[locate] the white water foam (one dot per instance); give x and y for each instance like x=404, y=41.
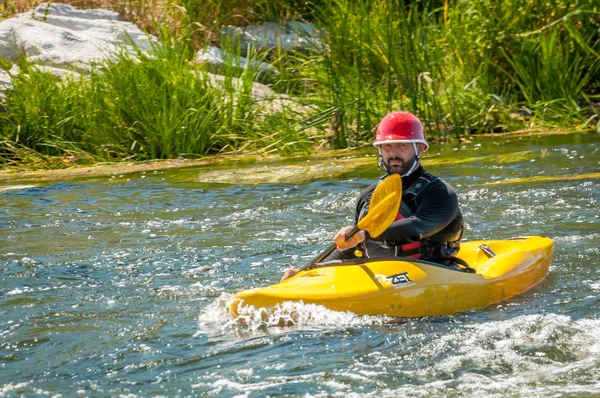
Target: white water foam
x=570, y=239
x=12, y=388
x=529, y=356
x=284, y=315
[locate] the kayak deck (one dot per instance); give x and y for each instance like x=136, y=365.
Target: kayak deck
x=412, y=288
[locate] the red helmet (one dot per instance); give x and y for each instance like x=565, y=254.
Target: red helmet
x=400, y=127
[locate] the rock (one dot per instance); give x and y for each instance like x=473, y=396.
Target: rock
x=59, y=73
x=48, y=11
x=217, y=60
x=262, y=95
x=66, y=41
x=62, y=36
x=5, y=79
x=5, y=84
x=97, y=23
x=293, y=35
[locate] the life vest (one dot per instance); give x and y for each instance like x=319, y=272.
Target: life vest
x=411, y=250
x=381, y=249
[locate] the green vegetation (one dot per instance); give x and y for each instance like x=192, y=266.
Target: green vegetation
x=461, y=66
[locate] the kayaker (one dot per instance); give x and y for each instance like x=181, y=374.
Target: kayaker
x=429, y=224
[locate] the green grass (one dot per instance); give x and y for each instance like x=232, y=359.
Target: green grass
x=462, y=67
x=150, y=107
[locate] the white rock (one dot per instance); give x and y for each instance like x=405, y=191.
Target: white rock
x=5, y=84
x=217, y=59
x=293, y=35
x=98, y=23
x=59, y=35
x=262, y=95
x=49, y=10
x=5, y=79
x=59, y=73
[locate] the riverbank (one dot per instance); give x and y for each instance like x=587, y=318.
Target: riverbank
x=100, y=170
x=261, y=169
x=463, y=68
x=215, y=169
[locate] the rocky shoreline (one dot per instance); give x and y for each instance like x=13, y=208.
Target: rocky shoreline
x=68, y=42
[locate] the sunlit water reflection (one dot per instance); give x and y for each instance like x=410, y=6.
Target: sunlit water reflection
x=119, y=286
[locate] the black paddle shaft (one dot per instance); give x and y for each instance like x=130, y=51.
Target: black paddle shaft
x=331, y=248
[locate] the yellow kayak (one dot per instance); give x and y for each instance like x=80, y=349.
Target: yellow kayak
x=412, y=288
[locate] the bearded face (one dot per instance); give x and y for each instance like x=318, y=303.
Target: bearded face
x=398, y=157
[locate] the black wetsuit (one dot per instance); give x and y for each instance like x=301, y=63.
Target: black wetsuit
x=429, y=215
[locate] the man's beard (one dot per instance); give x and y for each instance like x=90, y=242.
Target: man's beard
x=400, y=168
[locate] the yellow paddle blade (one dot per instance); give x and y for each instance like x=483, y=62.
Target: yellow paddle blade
x=383, y=207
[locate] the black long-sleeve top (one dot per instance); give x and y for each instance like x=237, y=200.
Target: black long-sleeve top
x=433, y=213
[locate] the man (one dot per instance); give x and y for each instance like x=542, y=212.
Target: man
x=429, y=223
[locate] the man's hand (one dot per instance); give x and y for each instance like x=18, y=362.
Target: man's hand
x=343, y=244
x=288, y=273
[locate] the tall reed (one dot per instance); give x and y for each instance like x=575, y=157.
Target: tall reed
x=461, y=66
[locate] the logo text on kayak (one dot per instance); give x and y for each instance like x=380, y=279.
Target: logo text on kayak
x=397, y=280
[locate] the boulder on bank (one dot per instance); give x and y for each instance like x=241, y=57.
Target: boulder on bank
x=218, y=61
x=67, y=41
x=59, y=35
x=5, y=80
x=270, y=36
x=292, y=35
x=263, y=96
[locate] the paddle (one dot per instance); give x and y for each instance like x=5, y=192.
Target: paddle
x=383, y=209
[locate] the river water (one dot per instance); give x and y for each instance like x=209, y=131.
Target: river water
x=118, y=285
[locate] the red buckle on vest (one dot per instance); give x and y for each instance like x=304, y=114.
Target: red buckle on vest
x=411, y=246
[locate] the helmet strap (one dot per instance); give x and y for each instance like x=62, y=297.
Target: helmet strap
x=381, y=164
x=415, y=163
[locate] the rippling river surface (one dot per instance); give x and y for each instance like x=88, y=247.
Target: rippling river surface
x=119, y=285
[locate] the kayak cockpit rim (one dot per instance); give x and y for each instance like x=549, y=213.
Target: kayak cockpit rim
x=363, y=261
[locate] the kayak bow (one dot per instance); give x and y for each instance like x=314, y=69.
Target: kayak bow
x=405, y=287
